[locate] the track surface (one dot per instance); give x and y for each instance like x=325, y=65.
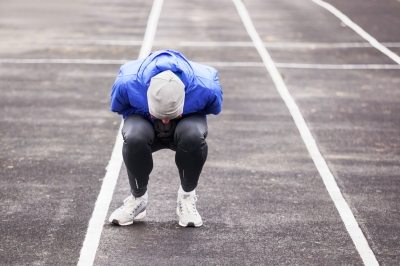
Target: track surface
x=262, y=199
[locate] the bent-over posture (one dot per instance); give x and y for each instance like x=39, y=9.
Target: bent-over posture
x=164, y=100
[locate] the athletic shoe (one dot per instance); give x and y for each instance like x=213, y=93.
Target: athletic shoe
x=132, y=210
x=187, y=212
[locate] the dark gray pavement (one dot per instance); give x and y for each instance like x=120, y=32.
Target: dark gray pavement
x=56, y=131
x=260, y=195
x=354, y=115
x=378, y=18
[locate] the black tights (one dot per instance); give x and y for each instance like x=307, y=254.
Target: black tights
x=140, y=142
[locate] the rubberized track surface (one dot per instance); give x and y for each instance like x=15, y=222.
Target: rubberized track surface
x=262, y=200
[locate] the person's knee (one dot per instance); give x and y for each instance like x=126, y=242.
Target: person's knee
x=137, y=139
x=191, y=139
x=137, y=132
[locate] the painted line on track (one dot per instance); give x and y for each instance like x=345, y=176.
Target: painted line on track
x=343, y=208
x=286, y=45
x=96, y=223
x=95, y=42
x=305, y=66
x=62, y=61
x=294, y=45
x=337, y=66
x=346, y=20
x=214, y=64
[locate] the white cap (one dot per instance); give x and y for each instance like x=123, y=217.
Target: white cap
x=166, y=95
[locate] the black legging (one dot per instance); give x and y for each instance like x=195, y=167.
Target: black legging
x=140, y=142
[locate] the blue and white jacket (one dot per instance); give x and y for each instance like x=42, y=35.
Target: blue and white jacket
x=203, y=93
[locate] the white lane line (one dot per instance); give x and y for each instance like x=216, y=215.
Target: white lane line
x=358, y=30
x=304, y=66
x=337, y=66
x=278, y=45
x=150, y=33
x=233, y=44
x=214, y=64
x=391, y=44
x=216, y=44
x=95, y=42
x=63, y=61
x=96, y=223
x=285, y=45
x=343, y=208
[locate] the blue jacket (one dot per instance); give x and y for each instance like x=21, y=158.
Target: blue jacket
x=203, y=93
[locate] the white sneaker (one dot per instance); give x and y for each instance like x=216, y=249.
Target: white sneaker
x=187, y=212
x=132, y=210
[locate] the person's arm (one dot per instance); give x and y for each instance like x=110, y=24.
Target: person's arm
x=214, y=104
x=119, y=97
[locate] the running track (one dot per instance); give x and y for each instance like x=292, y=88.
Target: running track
x=303, y=164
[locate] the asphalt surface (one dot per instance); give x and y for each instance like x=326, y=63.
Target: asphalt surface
x=261, y=197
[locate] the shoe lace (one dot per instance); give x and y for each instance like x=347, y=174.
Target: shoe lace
x=129, y=202
x=188, y=205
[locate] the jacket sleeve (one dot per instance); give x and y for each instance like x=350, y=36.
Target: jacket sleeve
x=119, y=98
x=214, y=104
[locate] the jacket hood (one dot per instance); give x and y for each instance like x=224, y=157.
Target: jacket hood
x=160, y=61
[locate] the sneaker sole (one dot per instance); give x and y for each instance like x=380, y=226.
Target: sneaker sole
x=138, y=217
x=190, y=224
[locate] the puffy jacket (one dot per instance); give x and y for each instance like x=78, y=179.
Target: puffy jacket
x=203, y=93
